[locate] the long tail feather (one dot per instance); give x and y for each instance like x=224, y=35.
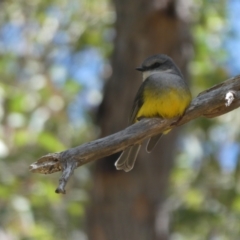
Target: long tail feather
x=127, y=159
x=152, y=142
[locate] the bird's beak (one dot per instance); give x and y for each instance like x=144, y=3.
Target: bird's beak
x=140, y=69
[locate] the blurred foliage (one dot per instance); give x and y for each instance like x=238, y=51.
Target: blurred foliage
x=51, y=65
x=205, y=193
x=45, y=106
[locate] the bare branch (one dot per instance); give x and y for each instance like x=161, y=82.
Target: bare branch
x=218, y=100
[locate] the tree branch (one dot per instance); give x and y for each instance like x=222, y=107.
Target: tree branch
x=218, y=100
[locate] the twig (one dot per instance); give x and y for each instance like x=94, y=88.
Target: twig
x=218, y=100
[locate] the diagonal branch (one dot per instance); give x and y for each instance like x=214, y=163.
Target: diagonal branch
x=218, y=100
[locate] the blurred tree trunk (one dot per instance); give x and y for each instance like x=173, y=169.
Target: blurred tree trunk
x=132, y=206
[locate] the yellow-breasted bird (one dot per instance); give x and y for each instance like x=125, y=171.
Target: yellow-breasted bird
x=163, y=93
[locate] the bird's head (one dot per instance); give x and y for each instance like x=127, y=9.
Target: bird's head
x=155, y=64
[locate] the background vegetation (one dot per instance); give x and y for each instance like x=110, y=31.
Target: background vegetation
x=53, y=65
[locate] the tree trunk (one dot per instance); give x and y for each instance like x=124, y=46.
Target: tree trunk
x=133, y=205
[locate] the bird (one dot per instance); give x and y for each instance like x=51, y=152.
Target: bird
x=163, y=93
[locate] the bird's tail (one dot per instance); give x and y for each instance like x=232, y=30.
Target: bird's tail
x=127, y=159
x=152, y=142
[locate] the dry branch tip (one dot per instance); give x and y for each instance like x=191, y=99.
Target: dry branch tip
x=47, y=164
x=68, y=169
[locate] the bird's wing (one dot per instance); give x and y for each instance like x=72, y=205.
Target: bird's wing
x=138, y=102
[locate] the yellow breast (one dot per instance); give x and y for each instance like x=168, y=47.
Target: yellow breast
x=169, y=104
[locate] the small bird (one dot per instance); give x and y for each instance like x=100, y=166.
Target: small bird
x=163, y=94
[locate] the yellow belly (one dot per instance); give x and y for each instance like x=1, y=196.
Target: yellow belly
x=166, y=105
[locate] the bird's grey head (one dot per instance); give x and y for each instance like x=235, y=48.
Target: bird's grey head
x=158, y=63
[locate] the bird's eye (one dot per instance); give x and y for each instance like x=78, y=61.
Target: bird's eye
x=156, y=65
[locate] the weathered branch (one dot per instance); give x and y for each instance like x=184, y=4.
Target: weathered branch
x=218, y=100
